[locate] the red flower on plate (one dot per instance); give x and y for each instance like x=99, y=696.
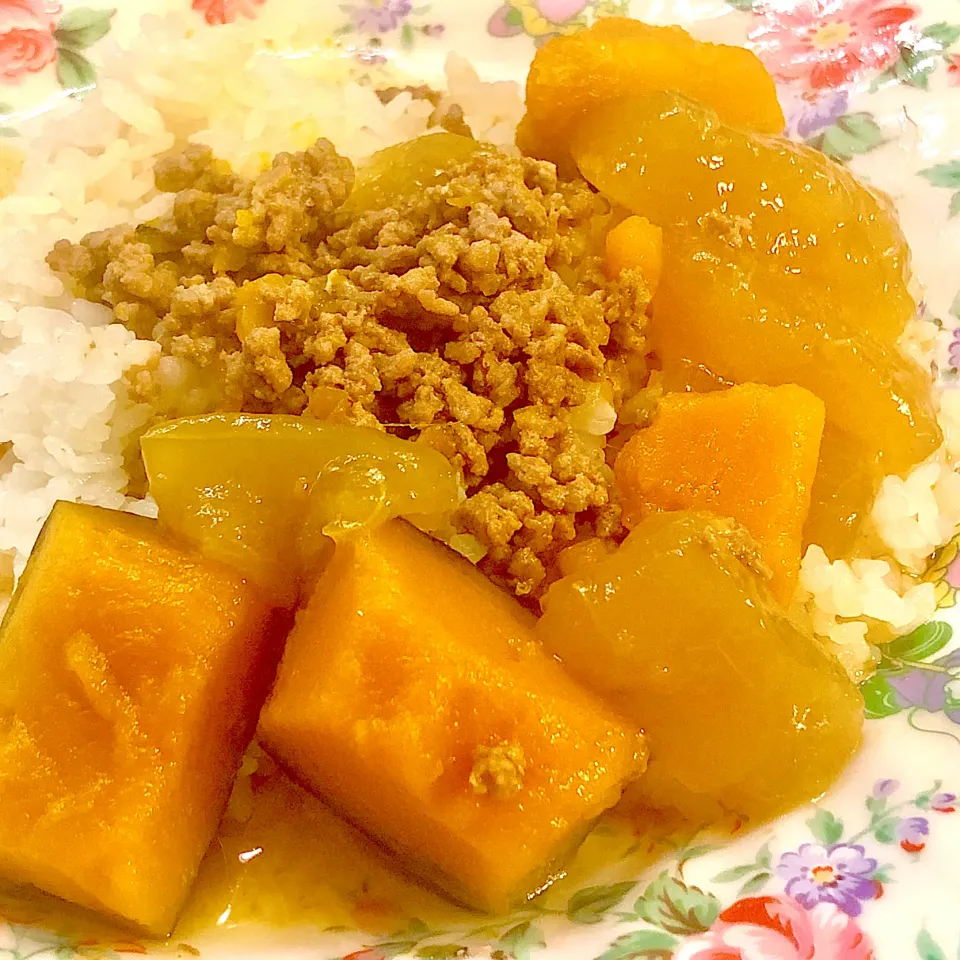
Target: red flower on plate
x=778, y=928
x=226, y=11
x=944, y=802
x=953, y=75
x=912, y=832
x=27, y=43
x=830, y=43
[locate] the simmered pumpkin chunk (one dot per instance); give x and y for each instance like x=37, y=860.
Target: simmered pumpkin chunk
x=749, y=453
x=778, y=267
x=413, y=697
x=259, y=492
x=619, y=57
x=740, y=705
x=132, y=676
x=842, y=495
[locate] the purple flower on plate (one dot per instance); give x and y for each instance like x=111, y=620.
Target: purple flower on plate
x=955, y=350
x=378, y=16
x=912, y=832
x=884, y=788
x=839, y=874
x=927, y=688
x=810, y=112
x=943, y=802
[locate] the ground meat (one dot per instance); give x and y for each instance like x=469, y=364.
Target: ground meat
x=450, y=117
x=498, y=769
x=474, y=317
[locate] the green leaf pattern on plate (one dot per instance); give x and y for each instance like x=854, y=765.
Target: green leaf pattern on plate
x=521, y=941
x=591, y=904
x=946, y=175
x=825, y=827
x=928, y=948
x=82, y=27
x=77, y=30
x=670, y=904
x=641, y=945
x=852, y=134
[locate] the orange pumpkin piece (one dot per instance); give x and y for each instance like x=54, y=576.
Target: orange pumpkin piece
x=636, y=244
x=619, y=57
x=413, y=697
x=779, y=267
x=133, y=674
x=741, y=705
x=749, y=453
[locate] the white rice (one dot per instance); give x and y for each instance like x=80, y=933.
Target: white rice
x=65, y=416
x=911, y=518
x=67, y=424
x=64, y=412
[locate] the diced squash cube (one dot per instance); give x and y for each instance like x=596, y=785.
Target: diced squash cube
x=619, y=57
x=741, y=706
x=132, y=676
x=413, y=697
x=636, y=244
x=749, y=453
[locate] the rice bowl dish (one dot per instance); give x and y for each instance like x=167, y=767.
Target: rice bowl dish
x=161, y=288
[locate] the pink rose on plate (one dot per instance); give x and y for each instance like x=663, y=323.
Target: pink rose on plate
x=26, y=37
x=830, y=43
x=778, y=928
x=225, y=11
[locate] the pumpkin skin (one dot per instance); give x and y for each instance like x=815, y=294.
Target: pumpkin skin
x=133, y=671
x=405, y=671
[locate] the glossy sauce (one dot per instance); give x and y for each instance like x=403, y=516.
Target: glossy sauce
x=284, y=859
x=778, y=267
x=295, y=861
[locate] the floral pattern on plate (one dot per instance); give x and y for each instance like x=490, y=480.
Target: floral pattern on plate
x=825, y=44
x=372, y=20
x=36, y=34
x=226, y=11
x=805, y=904
x=542, y=20
x=871, y=872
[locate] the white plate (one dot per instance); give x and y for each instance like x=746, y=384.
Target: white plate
x=873, y=870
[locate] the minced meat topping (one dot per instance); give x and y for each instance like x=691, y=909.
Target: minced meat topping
x=498, y=769
x=474, y=317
